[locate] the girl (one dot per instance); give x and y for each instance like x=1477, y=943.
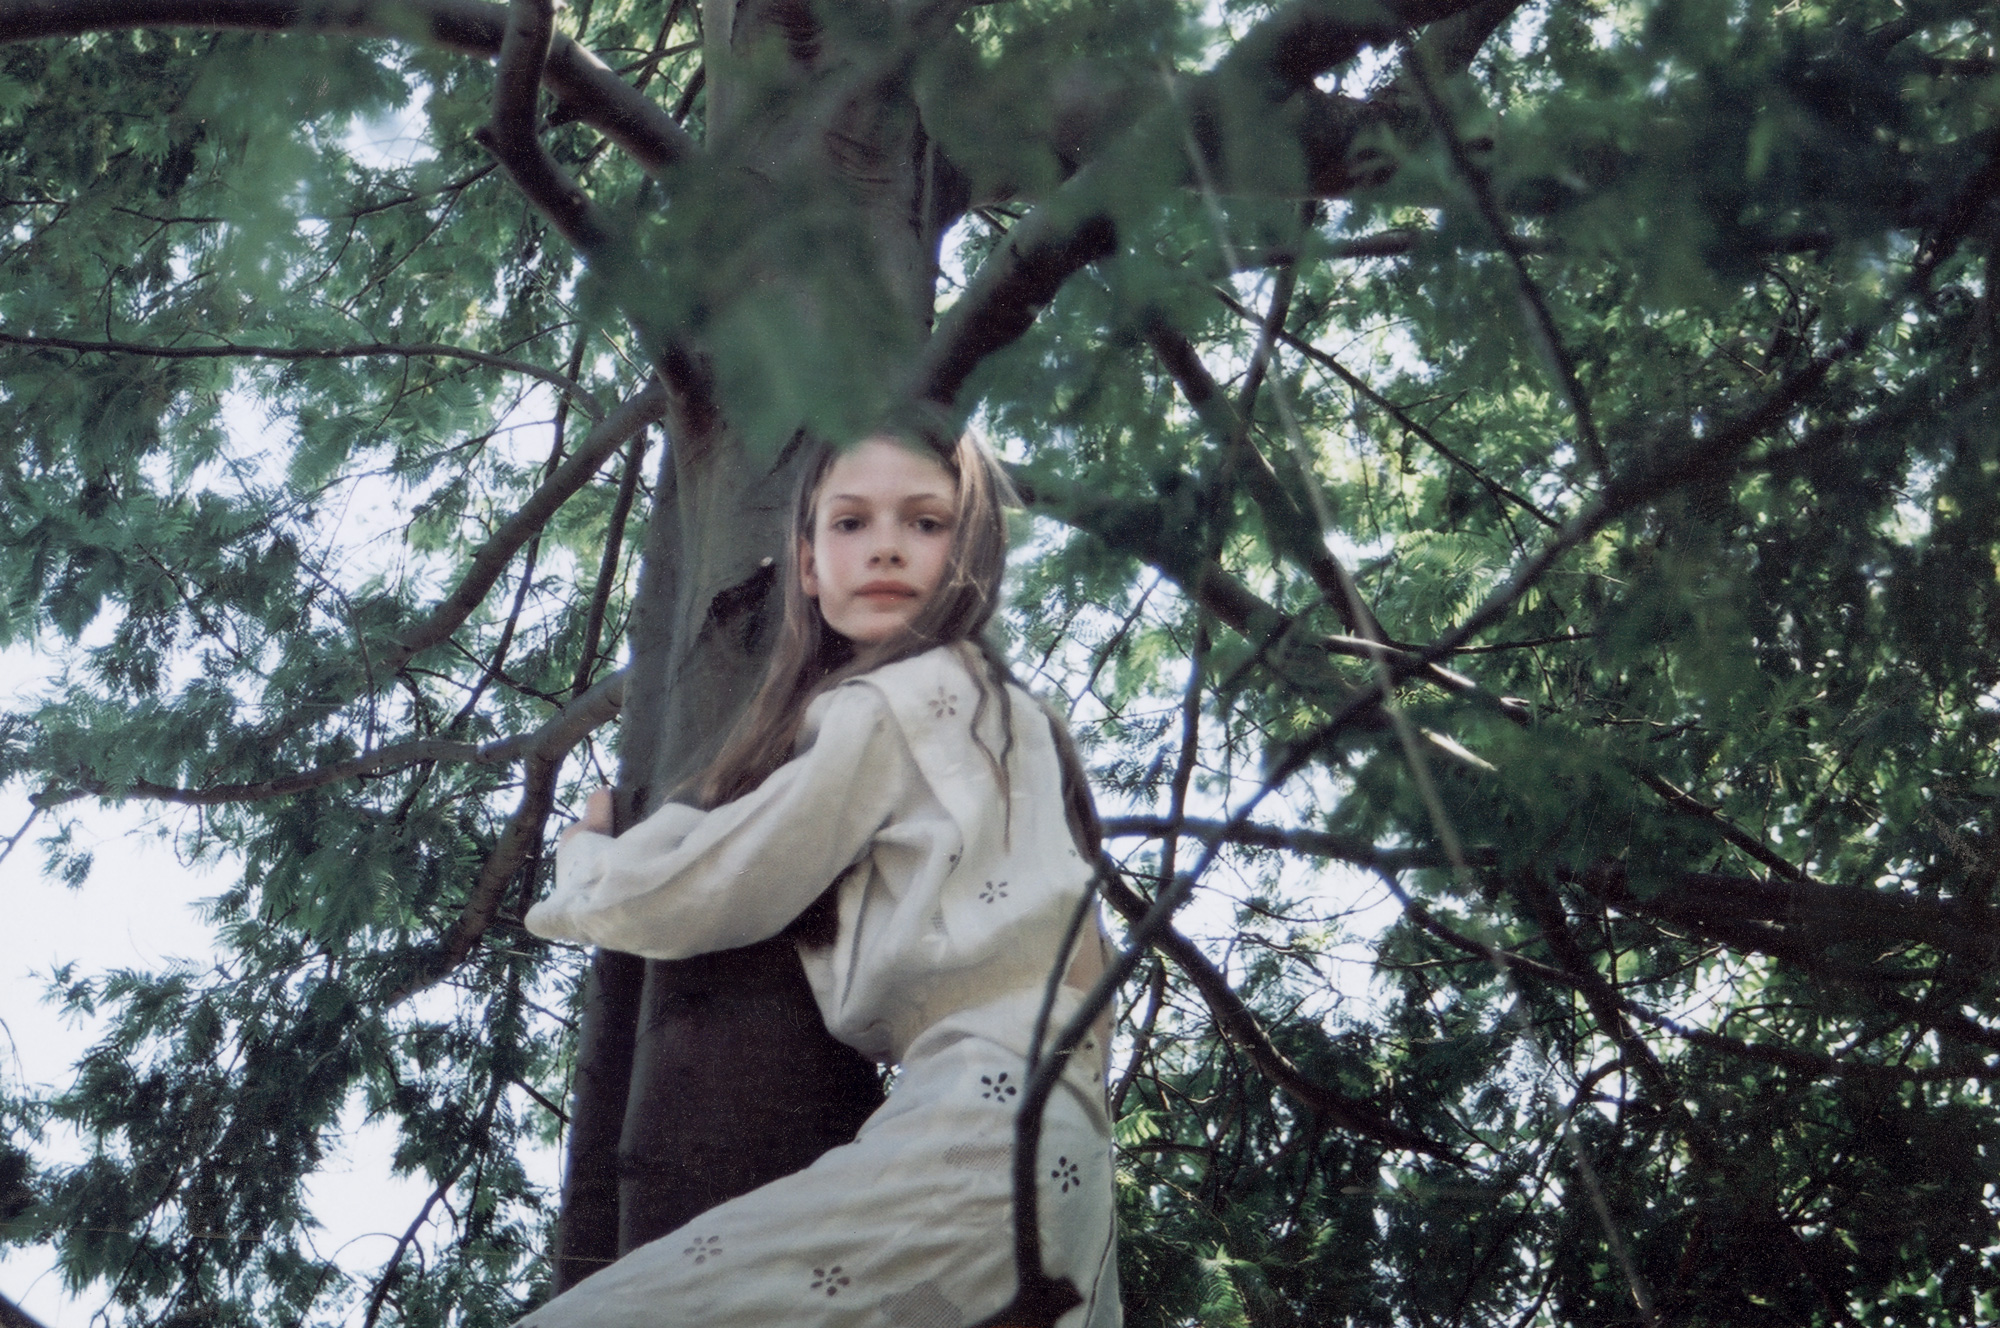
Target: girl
x=921, y=827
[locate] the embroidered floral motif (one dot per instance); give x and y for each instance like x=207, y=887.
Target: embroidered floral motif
x=830, y=1279
x=993, y=890
x=1066, y=1172
x=997, y=1088
x=944, y=703
x=704, y=1249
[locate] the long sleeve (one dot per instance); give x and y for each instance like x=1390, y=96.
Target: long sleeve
x=685, y=882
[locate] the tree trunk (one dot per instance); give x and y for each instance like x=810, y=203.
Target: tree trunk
x=729, y=1077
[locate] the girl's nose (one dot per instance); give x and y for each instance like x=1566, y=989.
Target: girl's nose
x=889, y=554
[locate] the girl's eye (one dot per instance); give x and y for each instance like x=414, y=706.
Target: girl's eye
x=847, y=525
x=929, y=525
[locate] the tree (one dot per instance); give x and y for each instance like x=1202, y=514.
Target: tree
x=1539, y=457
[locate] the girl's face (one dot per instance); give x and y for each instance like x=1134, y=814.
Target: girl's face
x=882, y=528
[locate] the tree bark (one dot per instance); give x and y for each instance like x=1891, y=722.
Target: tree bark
x=587, y=1230
x=731, y=1079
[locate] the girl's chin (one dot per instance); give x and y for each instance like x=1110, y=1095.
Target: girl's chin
x=877, y=626
x=875, y=639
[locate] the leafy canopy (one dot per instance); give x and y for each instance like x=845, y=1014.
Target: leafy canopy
x=1643, y=356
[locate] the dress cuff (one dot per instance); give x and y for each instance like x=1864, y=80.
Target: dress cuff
x=580, y=864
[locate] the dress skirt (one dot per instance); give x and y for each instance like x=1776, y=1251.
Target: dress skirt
x=909, y=1226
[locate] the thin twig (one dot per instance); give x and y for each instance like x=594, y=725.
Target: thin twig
x=1541, y=321
x=568, y=385
x=489, y=561
x=1243, y=1028
x=1499, y=491
x=35, y=809
x=1314, y=843
x=563, y=730
x=1142, y=1037
x=607, y=567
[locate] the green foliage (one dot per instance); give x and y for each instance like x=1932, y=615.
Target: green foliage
x=1739, y=865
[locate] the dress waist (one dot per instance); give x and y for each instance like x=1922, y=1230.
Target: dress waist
x=1008, y=1023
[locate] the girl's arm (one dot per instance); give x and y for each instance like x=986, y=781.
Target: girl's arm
x=684, y=882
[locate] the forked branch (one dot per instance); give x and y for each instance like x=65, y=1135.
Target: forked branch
x=512, y=135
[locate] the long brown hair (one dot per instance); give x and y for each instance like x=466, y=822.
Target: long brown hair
x=810, y=657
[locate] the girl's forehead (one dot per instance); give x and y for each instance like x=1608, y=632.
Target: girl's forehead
x=887, y=468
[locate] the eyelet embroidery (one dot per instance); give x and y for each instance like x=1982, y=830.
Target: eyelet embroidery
x=1066, y=1172
x=704, y=1249
x=992, y=892
x=997, y=1088
x=944, y=703
x=832, y=1279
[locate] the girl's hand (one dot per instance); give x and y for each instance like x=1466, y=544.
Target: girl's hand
x=596, y=816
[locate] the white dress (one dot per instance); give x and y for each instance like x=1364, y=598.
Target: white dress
x=954, y=899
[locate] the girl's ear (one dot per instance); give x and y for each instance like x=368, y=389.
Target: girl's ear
x=808, y=572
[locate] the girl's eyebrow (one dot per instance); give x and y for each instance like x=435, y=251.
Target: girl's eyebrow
x=928, y=495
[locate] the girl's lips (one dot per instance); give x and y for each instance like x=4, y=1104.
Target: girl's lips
x=886, y=590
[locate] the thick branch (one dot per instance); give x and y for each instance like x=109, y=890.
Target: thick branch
x=1653, y=476
x=1011, y=289
x=1292, y=528
x=1817, y=1064
x=1689, y=805
x=1450, y=44
x=13, y=1316
x=607, y=567
x=1824, y=913
x=1136, y=528
x=1541, y=320
x=591, y=91
x=585, y=400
